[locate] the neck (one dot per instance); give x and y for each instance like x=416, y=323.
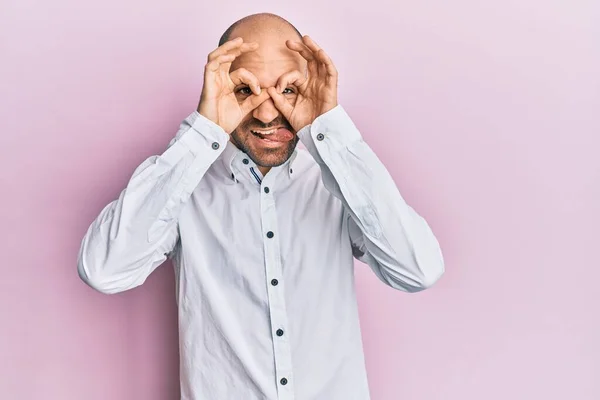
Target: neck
x=264, y=170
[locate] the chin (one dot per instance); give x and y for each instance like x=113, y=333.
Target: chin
x=270, y=158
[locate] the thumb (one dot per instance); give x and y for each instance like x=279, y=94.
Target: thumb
x=281, y=102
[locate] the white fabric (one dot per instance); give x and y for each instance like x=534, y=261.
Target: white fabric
x=200, y=204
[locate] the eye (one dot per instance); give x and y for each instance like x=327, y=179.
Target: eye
x=289, y=91
x=244, y=90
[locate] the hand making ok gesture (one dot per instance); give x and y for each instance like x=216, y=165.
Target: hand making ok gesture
x=316, y=93
x=218, y=101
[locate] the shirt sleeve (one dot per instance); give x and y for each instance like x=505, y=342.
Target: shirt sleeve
x=135, y=233
x=385, y=232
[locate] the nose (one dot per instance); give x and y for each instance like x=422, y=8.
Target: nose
x=266, y=112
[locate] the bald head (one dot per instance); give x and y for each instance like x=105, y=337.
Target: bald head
x=267, y=63
x=258, y=25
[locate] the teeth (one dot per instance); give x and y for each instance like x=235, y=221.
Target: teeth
x=266, y=132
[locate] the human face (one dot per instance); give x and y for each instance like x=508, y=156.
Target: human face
x=271, y=60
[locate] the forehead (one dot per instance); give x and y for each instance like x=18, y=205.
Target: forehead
x=272, y=58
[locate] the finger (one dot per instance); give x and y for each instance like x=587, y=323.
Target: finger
x=295, y=78
x=214, y=65
x=280, y=102
x=326, y=67
x=225, y=47
x=326, y=60
x=301, y=48
x=230, y=45
x=314, y=49
x=320, y=55
x=243, y=76
x=307, y=54
x=311, y=44
x=253, y=101
x=244, y=48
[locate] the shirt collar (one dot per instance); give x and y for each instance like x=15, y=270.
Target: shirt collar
x=233, y=161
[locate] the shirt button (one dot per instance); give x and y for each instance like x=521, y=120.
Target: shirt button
x=274, y=282
x=320, y=136
x=283, y=381
x=291, y=170
x=270, y=234
x=245, y=161
x=215, y=145
x=279, y=332
x=266, y=189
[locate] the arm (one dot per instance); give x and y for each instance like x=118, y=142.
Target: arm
x=386, y=233
x=134, y=234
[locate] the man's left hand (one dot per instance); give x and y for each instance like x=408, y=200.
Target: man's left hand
x=316, y=93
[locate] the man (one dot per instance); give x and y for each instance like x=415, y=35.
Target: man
x=263, y=234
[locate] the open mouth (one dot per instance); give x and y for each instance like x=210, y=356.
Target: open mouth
x=276, y=135
x=264, y=135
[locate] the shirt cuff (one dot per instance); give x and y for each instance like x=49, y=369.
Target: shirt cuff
x=209, y=130
x=333, y=129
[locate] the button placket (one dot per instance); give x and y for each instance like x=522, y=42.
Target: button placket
x=275, y=292
x=255, y=174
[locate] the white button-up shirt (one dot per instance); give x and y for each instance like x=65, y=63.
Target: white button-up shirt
x=264, y=264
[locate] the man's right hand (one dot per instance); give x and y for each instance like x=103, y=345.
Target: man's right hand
x=218, y=101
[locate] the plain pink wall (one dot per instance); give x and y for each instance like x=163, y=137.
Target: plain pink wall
x=486, y=114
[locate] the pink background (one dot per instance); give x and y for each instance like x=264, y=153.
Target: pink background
x=485, y=113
